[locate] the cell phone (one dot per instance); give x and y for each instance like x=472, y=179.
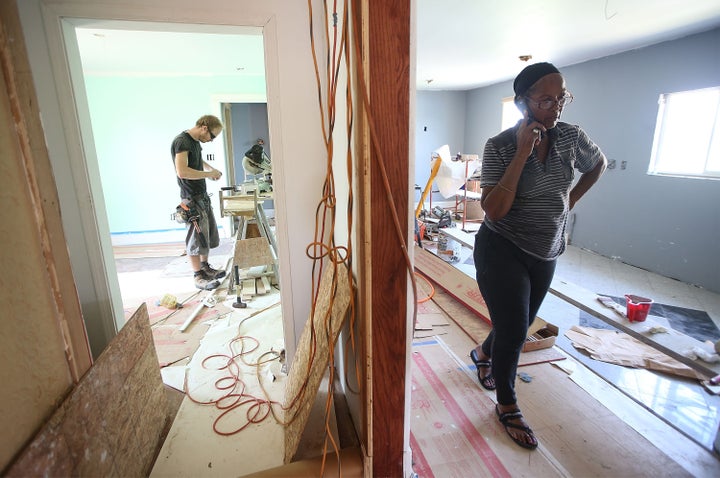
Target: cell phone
x=531, y=119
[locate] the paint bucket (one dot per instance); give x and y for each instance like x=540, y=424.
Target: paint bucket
x=448, y=249
x=637, y=307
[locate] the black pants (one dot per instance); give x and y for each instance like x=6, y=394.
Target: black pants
x=513, y=285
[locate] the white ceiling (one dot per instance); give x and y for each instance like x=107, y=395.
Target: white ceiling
x=464, y=44
x=461, y=44
x=158, y=49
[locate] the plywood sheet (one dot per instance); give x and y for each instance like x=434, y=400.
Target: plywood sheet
x=112, y=422
x=454, y=427
x=453, y=424
x=251, y=252
x=454, y=282
x=312, y=356
x=172, y=345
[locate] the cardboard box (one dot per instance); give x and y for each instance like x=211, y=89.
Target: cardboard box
x=541, y=335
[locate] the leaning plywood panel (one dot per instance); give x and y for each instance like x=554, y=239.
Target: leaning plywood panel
x=113, y=421
x=313, y=353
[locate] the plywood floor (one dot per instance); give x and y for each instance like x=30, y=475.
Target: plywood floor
x=585, y=427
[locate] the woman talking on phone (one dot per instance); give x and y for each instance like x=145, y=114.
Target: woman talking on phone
x=528, y=189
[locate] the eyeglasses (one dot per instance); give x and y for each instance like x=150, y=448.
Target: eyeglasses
x=212, y=136
x=549, y=104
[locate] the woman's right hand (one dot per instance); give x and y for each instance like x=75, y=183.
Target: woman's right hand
x=529, y=134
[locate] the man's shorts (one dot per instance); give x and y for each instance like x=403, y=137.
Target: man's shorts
x=208, y=226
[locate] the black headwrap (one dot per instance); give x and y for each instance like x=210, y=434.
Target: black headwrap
x=530, y=75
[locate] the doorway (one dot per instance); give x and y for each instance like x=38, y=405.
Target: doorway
x=132, y=105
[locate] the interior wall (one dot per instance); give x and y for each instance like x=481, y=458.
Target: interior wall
x=34, y=371
x=41, y=315
x=249, y=123
x=667, y=225
x=141, y=203
x=441, y=120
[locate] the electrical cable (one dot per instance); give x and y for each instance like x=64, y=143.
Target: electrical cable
x=323, y=250
x=432, y=288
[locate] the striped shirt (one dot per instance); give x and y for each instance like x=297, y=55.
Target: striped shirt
x=538, y=216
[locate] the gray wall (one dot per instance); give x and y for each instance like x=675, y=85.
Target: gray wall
x=666, y=225
x=249, y=123
x=440, y=120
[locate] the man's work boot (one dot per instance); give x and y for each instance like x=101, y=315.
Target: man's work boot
x=213, y=273
x=205, y=282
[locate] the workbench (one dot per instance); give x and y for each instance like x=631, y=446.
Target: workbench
x=237, y=204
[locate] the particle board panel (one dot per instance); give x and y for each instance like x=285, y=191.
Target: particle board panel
x=251, y=252
x=313, y=353
x=113, y=421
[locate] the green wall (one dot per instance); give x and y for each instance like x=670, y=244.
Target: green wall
x=134, y=120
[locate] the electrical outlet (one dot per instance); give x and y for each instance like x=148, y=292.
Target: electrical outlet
x=611, y=164
x=623, y=164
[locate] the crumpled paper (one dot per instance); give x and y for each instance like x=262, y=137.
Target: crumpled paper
x=614, y=347
x=451, y=175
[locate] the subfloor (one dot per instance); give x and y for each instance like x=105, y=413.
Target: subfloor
x=575, y=413
x=683, y=403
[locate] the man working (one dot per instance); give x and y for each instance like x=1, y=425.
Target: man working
x=191, y=170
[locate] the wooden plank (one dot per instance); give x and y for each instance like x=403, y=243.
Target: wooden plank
x=260, y=287
x=248, y=287
x=672, y=343
x=464, y=238
x=266, y=283
x=113, y=421
x=389, y=67
x=458, y=284
x=313, y=353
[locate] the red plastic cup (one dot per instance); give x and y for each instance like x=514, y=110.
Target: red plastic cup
x=637, y=307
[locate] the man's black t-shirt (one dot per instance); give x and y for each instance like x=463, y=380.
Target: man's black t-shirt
x=185, y=142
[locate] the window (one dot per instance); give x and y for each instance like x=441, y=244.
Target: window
x=510, y=113
x=687, y=134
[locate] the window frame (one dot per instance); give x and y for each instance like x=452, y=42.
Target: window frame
x=658, y=166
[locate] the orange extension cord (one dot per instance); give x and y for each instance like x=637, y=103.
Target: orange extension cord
x=323, y=250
